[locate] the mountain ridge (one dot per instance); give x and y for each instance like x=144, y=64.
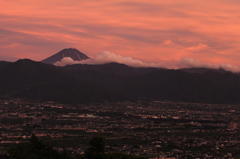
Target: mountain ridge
x=36, y=80
x=83, y=83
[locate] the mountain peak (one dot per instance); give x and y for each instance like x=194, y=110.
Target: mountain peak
x=68, y=52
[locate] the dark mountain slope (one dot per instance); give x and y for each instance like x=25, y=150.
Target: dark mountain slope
x=115, y=82
x=173, y=85
x=3, y=63
x=111, y=69
x=202, y=70
x=226, y=79
x=28, y=72
x=73, y=53
x=178, y=86
x=26, y=78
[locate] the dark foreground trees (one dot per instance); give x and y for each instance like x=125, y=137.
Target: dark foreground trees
x=96, y=149
x=38, y=150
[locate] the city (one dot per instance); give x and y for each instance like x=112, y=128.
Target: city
x=181, y=130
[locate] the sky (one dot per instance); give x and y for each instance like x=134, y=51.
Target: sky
x=174, y=33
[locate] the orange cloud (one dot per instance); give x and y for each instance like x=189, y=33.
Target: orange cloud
x=199, y=47
x=153, y=31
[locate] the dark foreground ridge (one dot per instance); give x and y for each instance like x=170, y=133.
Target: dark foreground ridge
x=35, y=80
x=37, y=149
x=115, y=82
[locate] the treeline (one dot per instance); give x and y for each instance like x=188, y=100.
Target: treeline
x=36, y=149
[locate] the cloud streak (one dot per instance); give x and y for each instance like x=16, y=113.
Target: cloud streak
x=191, y=63
x=154, y=30
x=108, y=57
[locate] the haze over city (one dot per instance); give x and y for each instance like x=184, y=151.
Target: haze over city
x=170, y=34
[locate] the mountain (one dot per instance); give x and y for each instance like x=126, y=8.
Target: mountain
x=210, y=86
x=3, y=63
x=116, y=82
x=175, y=85
x=36, y=80
x=70, y=52
x=202, y=70
x=111, y=69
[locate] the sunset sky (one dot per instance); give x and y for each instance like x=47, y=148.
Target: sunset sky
x=159, y=31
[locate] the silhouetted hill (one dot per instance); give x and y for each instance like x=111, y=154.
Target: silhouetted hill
x=27, y=72
x=73, y=53
x=162, y=84
x=26, y=78
x=226, y=79
x=112, y=69
x=202, y=70
x=3, y=63
x=180, y=86
x=115, y=82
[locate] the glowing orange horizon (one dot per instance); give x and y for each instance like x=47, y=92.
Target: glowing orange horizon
x=153, y=31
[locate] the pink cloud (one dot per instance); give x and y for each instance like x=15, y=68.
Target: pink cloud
x=108, y=57
x=199, y=47
x=153, y=31
x=192, y=63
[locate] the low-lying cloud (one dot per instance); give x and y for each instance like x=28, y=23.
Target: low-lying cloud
x=66, y=61
x=191, y=63
x=108, y=57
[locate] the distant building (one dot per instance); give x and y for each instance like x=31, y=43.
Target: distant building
x=233, y=125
